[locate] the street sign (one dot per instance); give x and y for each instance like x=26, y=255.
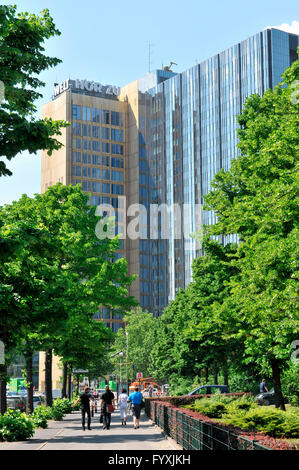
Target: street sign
x=139, y=375
x=80, y=371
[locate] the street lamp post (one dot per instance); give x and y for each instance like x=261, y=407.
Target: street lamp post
x=127, y=335
x=121, y=354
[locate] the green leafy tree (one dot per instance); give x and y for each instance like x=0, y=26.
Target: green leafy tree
x=56, y=269
x=22, y=59
x=141, y=329
x=190, y=337
x=258, y=200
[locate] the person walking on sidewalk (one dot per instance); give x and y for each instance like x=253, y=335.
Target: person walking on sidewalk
x=85, y=398
x=107, y=405
x=136, y=400
x=123, y=406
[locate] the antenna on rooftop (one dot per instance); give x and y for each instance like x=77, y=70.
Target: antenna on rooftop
x=149, y=56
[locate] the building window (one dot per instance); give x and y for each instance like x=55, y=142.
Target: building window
x=86, y=185
x=86, y=144
x=76, y=112
x=106, y=174
x=96, y=187
x=96, y=200
x=86, y=158
x=85, y=130
x=117, y=149
x=117, y=162
x=95, y=115
x=76, y=157
x=85, y=113
x=86, y=171
x=117, y=176
x=76, y=170
x=105, y=116
x=117, y=189
x=106, y=188
x=96, y=159
x=117, y=134
x=96, y=146
x=106, y=161
x=106, y=133
x=96, y=132
x=105, y=147
x=114, y=118
x=96, y=173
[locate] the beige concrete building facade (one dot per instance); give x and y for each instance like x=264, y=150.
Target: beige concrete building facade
x=100, y=152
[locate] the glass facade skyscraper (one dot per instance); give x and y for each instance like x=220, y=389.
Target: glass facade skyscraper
x=189, y=135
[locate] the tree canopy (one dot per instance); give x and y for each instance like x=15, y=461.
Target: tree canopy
x=22, y=59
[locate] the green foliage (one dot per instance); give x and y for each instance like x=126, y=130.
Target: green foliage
x=274, y=422
x=242, y=381
x=16, y=426
x=40, y=416
x=258, y=200
x=182, y=385
x=211, y=408
x=247, y=415
x=141, y=328
x=290, y=381
x=22, y=60
x=63, y=404
x=189, y=338
x=54, y=275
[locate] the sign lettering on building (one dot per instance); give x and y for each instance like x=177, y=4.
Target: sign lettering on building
x=86, y=85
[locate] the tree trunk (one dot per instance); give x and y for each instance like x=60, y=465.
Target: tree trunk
x=3, y=383
x=64, y=380
x=207, y=375
x=29, y=400
x=3, y=372
x=215, y=374
x=70, y=381
x=225, y=372
x=276, y=372
x=78, y=384
x=48, y=378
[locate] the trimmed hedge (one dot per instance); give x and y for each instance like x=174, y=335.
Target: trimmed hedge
x=248, y=416
x=188, y=399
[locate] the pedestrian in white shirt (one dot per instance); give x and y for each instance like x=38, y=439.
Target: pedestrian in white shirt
x=123, y=406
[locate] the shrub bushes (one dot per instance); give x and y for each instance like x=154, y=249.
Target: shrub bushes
x=15, y=426
x=41, y=415
x=61, y=406
x=245, y=414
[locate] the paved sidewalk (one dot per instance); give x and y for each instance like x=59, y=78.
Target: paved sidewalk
x=68, y=435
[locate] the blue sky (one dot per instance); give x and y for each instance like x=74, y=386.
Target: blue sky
x=108, y=42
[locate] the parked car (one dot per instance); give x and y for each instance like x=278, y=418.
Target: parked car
x=38, y=400
x=210, y=389
x=16, y=402
x=268, y=398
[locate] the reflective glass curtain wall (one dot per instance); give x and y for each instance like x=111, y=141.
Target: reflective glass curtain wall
x=194, y=135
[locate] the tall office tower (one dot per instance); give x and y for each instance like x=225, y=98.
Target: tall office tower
x=101, y=151
x=160, y=140
x=189, y=135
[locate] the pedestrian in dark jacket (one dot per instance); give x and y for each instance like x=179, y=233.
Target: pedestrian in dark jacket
x=106, y=404
x=84, y=399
